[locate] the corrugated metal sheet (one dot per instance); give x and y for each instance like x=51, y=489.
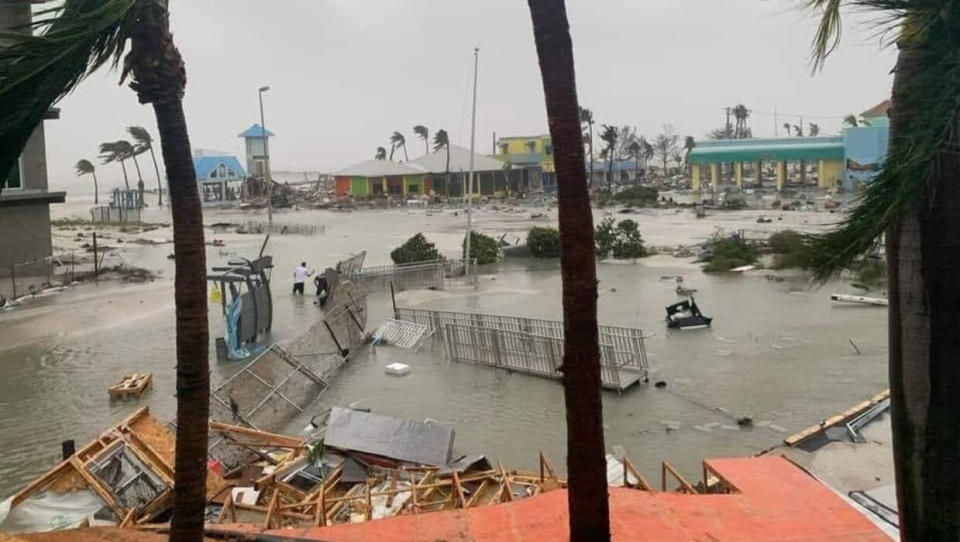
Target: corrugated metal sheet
x=393, y=438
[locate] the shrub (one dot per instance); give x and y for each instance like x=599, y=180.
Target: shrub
x=728, y=253
x=483, y=248
x=544, y=242
x=635, y=196
x=629, y=242
x=416, y=249
x=790, y=250
x=622, y=240
x=604, y=237
x=870, y=272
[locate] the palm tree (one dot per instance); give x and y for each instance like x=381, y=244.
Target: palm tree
x=397, y=140
x=85, y=167
x=381, y=154
x=424, y=134
x=79, y=37
x=813, y=130
x=586, y=120
x=442, y=141
x=116, y=151
x=915, y=204
x=678, y=158
x=635, y=151
x=145, y=143
x=609, y=137
x=788, y=127
x=851, y=121
x=587, y=498
x=741, y=114
x=688, y=145
x=647, y=151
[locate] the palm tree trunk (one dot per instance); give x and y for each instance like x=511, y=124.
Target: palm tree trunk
x=96, y=190
x=136, y=163
x=159, y=181
x=590, y=180
x=609, y=171
x=125, y=181
x=406, y=158
x=587, y=504
x=923, y=251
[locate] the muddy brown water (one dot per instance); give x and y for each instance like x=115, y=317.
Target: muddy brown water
x=777, y=351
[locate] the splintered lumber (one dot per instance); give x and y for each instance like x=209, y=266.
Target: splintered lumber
x=131, y=386
x=843, y=417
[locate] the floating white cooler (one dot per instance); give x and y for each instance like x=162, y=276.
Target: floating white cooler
x=398, y=369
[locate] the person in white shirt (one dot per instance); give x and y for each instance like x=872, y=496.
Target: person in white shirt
x=300, y=275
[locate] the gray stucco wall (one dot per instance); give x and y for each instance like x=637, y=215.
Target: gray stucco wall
x=24, y=233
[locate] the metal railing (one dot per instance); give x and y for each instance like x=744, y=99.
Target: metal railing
x=412, y=276
x=530, y=345
x=281, y=228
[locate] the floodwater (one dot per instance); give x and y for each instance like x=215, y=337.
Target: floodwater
x=778, y=351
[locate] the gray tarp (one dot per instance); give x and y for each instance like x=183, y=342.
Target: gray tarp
x=393, y=438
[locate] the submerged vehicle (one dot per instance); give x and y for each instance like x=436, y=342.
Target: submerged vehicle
x=686, y=315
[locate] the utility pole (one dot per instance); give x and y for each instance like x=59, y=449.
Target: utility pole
x=266, y=158
x=473, y=133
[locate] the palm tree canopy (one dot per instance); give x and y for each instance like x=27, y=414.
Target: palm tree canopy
x=813, y=130
x=381, y=153
x=141, y=137
x=398, y=140
x=586, y=116
x=84, y=167
x=689, y=143
x=906, y=171
x=440, y=139
x=421, y=132
x=851, y=120
x=609, y=135
x=116, y=150
x=39, y=69
x=634, y=148
x=647, y=148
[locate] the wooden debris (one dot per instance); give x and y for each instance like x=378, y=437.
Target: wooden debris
x=841, y=418
x=131, y=386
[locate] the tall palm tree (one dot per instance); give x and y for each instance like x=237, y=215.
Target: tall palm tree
x=788, y=127
x=381, y=154
x=914, y=202
x=647, y=151
x=85, y=167
x=609, y=136
x=813, y=129
x=424, y=134
x=397, y=141
x=741, y=114
x=116, y=151
x=442, y=141
x=586, y=121
x=851, y=121
x=587, y=499
x=144, y=143
x=76, y=38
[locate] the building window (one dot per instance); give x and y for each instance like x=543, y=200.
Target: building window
x=532, y=146
x=15, y=180
x=548, y=148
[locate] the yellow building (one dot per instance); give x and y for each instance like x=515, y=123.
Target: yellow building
x=533, y=156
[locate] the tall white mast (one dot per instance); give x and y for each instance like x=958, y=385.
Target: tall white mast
x=473, y=135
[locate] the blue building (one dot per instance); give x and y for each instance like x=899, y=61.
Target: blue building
x=865, y=146
x=221, y=177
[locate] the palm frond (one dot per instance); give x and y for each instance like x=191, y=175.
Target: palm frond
x=827, y=38
x=141, y=136
x=84, y=167
x=931, y=95
x=46, y=60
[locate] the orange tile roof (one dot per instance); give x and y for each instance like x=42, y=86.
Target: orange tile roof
x=776, y=502
x=879, y=110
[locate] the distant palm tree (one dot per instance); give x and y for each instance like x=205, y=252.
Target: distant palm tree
x=609, y=136
x=798, y=130
x=741, y=114
x=813, y=130
x=424, y=134
x=85, y=167
x=586, y=121
x=397, y=140
x=442, y=141
x=678, y=158
x=144, y=143
x=381, y=154
x=688, y=145
x=117, y=151
x=635, y=151
x=851, y=121
x=788, y=127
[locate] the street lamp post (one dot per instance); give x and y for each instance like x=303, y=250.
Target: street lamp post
x=266, y=158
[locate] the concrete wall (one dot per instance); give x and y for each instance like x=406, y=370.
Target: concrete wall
x=31, y=222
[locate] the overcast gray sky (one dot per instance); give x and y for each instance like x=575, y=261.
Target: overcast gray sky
x=345, y=74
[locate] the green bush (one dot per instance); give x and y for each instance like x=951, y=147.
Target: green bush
x=543, y=242
x=790, y=250
x=629, y=242
x=729, y=253
x=623, y=241
x=416, y=249
x=604, y=237
x=483, y=248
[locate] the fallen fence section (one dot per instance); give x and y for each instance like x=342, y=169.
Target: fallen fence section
x=427, y=275
x=529, y=345
x=397, y=333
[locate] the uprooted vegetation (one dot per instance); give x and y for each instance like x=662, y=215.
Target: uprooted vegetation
x=483, y=248
x=791, y=251
x=724, y=253
x=636, y=196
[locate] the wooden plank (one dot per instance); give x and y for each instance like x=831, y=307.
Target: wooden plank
x=505, y=481
x=129, y=518
x=271, y=509
x=227, y=507
x=852, y=412
x=641, y=481
x=94, y=485
x=459, y=490
x=684, y=485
